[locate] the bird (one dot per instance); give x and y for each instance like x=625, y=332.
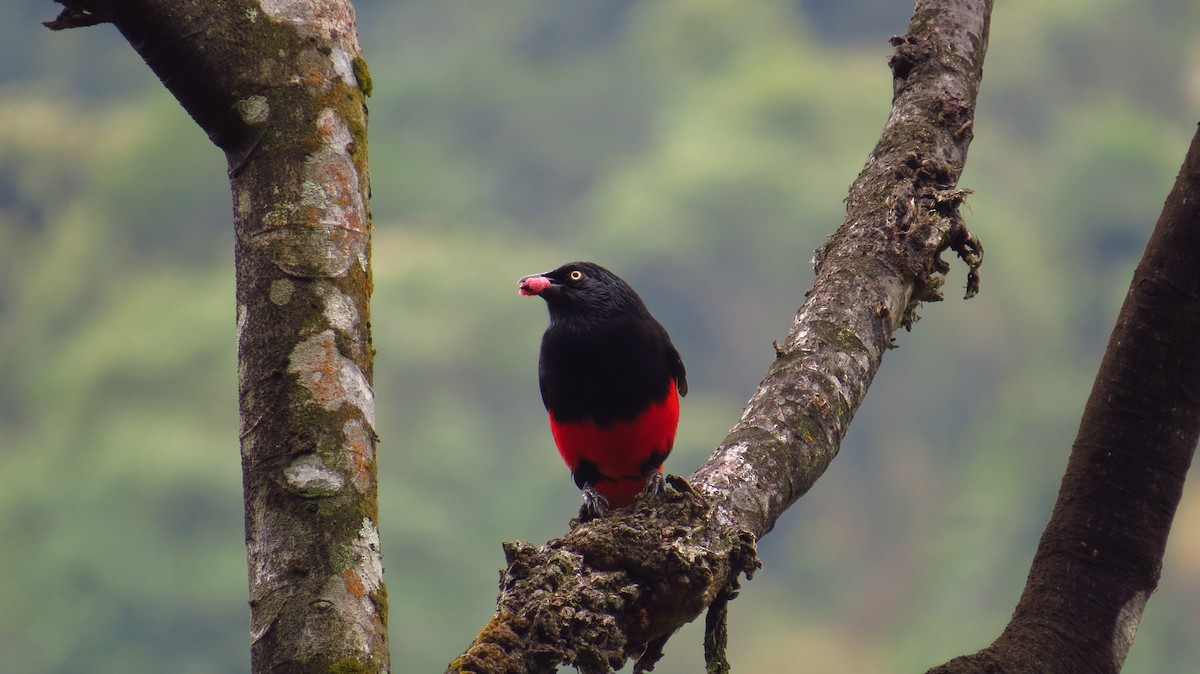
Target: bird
x=610, y=379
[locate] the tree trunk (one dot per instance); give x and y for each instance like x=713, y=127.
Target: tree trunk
x=619, y=586
x=280, y=87
x=1100, y=556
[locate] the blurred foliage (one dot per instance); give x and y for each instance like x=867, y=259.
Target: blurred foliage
x=702, y=149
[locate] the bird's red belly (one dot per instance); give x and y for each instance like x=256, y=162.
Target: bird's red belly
x=620, y=450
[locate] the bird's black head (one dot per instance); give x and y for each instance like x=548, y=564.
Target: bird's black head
x=583, y=289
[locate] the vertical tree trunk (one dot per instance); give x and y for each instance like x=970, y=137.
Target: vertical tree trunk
x=280, y=87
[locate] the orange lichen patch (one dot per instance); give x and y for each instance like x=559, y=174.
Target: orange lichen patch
x=315, y=77
x=362, y=454
x=354, y=583
x=332, y=379
x=341, y=191
x=318, y=363
x=332, y=129
x=341, y=200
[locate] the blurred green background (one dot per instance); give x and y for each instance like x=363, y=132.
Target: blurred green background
x=701, y=149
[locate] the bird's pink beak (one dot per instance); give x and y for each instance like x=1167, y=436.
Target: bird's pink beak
x=533, y=285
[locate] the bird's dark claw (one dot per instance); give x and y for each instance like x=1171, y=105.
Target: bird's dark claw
x=654, y=484
x=594, y=505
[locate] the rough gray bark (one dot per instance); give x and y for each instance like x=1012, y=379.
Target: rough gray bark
x=1100, y=555
x=280, y=87
x=901, y=215
x=618, y=587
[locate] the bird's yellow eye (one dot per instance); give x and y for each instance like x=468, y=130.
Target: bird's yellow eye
x=575, y=275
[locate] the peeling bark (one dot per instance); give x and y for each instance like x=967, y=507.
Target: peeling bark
x=618, y=587
x=1100, y=555
x=280, y=87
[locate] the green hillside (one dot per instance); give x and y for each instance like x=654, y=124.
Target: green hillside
x=701, y=150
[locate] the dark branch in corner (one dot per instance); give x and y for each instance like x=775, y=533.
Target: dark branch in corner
x=1100, y=556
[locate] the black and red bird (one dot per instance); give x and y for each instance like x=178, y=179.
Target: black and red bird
x=611, y=381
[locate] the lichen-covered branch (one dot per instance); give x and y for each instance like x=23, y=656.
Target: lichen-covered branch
x=617, y=587
x=611, y=589
x=1100, y=556
x=280, y=87
x=902, y=213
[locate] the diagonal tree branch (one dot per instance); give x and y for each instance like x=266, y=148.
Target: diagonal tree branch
x=618, y=587
x=901, y=214
x=1100, y=555
x=280, y=87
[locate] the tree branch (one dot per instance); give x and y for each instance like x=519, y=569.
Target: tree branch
x=901, y=214
x=281, y=87
x=617, y=587
x=1100, y=556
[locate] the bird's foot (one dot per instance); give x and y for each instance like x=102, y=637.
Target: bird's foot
x=594, y=505
x=655, y=484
